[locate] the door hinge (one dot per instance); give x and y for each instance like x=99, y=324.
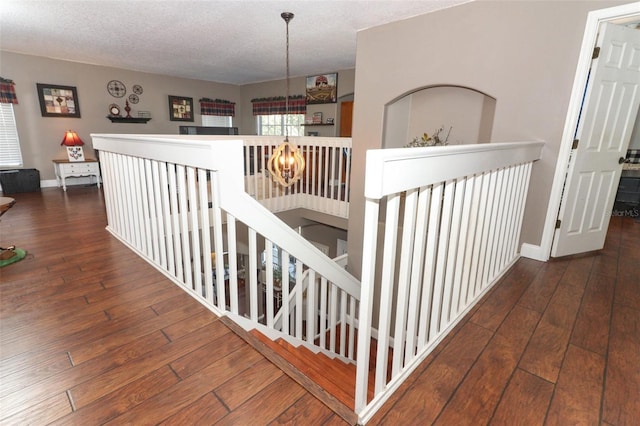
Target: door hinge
x=596, y=52
x=575, y=144
x=558, y=223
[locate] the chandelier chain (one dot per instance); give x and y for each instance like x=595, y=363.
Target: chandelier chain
x=287, y=16
x=286, y=163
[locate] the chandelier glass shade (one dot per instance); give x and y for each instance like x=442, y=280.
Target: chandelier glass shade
x=286, y=164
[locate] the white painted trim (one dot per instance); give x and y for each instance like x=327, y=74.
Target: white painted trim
x=395, y=170
x=594, y=19
x=534, y=252
x=50, y=183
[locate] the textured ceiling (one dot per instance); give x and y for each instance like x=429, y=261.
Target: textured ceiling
x=235, y=42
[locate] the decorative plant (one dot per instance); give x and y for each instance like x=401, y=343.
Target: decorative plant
x=434, y=140
x=277, y=275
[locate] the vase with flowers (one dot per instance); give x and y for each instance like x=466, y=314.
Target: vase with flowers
x=434, y=139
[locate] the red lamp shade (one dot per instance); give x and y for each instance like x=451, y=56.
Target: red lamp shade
x=71, y=138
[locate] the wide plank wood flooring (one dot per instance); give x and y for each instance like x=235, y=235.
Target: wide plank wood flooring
x=91, y=334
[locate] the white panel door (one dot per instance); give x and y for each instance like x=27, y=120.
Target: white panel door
x=607, y=119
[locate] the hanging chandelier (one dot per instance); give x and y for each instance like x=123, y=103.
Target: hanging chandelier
x=286, y=164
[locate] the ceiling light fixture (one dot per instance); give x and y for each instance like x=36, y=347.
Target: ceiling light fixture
x=286, y=164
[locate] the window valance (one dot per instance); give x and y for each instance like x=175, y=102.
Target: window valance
x=277, y=105
x=218, y=107
x=7, y=92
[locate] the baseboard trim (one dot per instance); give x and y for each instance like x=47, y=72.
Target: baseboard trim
x=49, y=183
x=534, y=252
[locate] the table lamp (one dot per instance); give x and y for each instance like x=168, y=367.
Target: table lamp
x=73, y=143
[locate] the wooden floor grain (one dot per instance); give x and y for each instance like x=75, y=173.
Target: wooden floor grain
x=90, y=334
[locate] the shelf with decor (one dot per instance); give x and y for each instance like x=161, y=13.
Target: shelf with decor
x=319, y=119
x=129, y=119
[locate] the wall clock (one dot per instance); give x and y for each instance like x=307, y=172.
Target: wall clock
x=133, y=98
x=116, y=88
x=137, y=89
x=114, y=110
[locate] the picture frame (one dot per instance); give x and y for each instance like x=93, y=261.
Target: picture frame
x=58, y=101
x=180, y=108
x=75, y=153
x=322, y=89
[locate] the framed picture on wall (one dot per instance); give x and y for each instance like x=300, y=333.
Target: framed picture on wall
x=322, y=89
x=58, y=101
x=180, y=108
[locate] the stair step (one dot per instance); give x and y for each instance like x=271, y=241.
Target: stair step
x=332, y=370
x=276, y=355
x=332, y=375
x=331, y=380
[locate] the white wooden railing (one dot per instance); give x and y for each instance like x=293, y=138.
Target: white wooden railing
x=442, y=225
x=324, y=186
x=327, y=317
x=175, y=200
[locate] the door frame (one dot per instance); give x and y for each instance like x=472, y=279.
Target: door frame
x=594, y=19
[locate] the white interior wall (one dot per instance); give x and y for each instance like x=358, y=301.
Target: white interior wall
x=524, y=54
x=40, y=136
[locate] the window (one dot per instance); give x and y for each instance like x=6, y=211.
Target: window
x=276, y=253
x=274, y=125
x=216, y=120
x=9, y=142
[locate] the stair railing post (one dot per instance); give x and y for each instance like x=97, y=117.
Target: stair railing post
x=366, y=302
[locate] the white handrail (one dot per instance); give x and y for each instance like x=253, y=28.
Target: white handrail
x=452, y=219
x=451, y=226
x=197, y=188
x=392, y=171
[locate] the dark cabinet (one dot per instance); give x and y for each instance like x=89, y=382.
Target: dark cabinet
x=629, y=188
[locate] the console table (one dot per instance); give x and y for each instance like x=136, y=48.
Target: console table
x=66, y=168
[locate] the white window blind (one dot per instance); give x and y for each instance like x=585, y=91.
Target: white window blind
x=216, y=120
x=10, y=155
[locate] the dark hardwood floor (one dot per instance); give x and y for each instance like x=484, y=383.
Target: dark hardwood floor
x=91, y=334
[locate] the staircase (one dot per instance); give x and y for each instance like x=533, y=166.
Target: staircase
x=433, y=245
x=334, y=375
x=331, y=380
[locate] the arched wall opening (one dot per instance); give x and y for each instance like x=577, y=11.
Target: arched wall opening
x=465, y=115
